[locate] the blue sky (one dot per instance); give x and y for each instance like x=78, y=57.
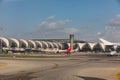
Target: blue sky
x=87, y=19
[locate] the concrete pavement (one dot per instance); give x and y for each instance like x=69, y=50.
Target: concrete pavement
x=80, y=67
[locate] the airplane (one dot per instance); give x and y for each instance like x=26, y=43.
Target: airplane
x=107, y=43
x=68, y=50
x=57, y=50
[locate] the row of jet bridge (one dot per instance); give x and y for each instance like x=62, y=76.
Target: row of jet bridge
x=22, y=45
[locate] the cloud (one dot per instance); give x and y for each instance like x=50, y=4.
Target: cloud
x=71, y=30
x=53, y=24
x=51, y=17
x=112, y=29
x=114, y=22
x=99, y=33
x=51, y=28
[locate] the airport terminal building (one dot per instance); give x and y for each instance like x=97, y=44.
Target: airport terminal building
x=38, y=45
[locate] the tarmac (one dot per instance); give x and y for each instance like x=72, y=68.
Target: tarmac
x=83, y=66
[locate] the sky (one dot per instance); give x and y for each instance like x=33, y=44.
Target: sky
x=88, y=20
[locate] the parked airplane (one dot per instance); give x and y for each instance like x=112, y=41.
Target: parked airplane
x=57, y=50
x=65, y=51
x=69, y=50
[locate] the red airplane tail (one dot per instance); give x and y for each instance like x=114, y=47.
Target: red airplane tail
x=69, y=49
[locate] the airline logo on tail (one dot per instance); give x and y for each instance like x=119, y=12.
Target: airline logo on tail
x=68, y=49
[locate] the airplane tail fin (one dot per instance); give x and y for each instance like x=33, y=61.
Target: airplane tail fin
x=68, y=49
x=105, y=42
